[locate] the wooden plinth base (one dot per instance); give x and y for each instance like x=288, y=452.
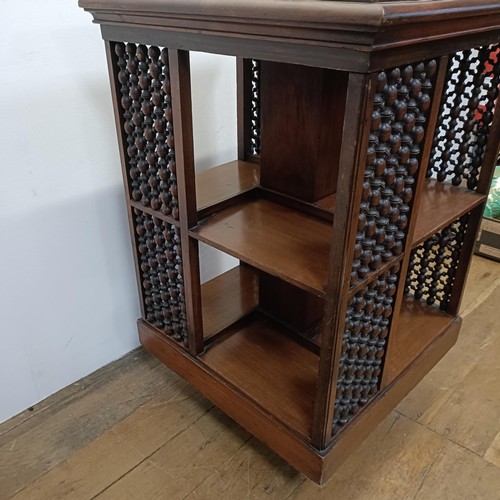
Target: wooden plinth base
x=293, y=447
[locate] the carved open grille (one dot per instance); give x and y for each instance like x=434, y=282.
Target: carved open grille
x=465, y=116
x=146, y=116
x=398, y=126
x=255, y=109
x=160, y=261
x=368, y=318
x=433, y=263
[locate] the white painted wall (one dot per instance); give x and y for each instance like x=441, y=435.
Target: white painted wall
x=68, y=300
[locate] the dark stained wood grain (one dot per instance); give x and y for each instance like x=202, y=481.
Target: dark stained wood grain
x=272, y=238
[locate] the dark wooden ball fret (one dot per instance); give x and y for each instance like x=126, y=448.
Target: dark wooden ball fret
x=399, y=121
x=160, y=262
x=433, y=263
x=146, y=104
x=367, y=324
x=255, y=108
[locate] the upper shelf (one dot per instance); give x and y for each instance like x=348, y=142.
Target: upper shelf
x=221, y=183
x=278, y=240
x=441, y=205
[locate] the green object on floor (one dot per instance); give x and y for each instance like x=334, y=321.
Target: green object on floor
x=492, y=209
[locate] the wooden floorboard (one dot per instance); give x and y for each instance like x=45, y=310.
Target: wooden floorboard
x=135, y=430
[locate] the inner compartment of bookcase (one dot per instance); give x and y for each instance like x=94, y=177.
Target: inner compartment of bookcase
x=261, y=335
x=244, y=293
x=297, y=124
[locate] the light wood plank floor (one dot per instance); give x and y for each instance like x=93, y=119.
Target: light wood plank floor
x=134, y=430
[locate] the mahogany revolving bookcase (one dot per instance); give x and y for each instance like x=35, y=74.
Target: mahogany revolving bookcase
x=367, y=136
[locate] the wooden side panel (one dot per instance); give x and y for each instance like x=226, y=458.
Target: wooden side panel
x=182, y=115
x=302, y=111
x=299, y=310
x=143, y=110
x=382, y=207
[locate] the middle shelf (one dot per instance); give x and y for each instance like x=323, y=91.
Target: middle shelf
x=441, y=204
x=278, y=240
x=284, y=240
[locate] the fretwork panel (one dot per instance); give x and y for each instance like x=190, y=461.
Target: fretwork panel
x=433, y=263
x=160, y=260
x=398, y=127
x=465, y=117
x=146, y=112
x=367, y=324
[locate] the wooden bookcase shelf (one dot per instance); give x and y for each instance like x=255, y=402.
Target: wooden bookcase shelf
x=261, y=359
x=354, y=245
x=225, y=182
x=276, y=239
x=441, y=205
x=224, y=185
x=228, y=298
x=418, y=327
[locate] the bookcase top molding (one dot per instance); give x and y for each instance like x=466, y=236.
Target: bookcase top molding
x=374, y=13
x=340, y=34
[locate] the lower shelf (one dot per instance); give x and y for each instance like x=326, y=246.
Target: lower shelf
x=418, y=326
x=260, y=359
x=260, y=377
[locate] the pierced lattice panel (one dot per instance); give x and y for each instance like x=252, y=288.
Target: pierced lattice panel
x=398, y=126
x=146, y=112
x=255, y=109
x=465, y=116
x=433, y=263
x=368, y=318
x=160, y=261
